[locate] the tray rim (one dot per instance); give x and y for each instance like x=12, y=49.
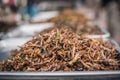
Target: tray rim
x=75, y=73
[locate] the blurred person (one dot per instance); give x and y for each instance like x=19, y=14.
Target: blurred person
x=11, y=13
x=107, y=12
x=12, y=16
x=112, y=8
x=9, y=2
x=16, y=14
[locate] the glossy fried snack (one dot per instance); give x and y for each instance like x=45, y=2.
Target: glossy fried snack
x=71, y=16
x=77, y=28
x=63, y=50
x=76, y=21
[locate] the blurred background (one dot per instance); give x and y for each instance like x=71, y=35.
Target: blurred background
x=16, y=13
x=20, y=20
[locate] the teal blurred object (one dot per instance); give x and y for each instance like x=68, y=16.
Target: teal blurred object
x=31, y=8
x=33, y=11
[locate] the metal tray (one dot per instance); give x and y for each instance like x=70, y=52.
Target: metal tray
x=27, y=30
x=1, y=34
x=43, y=16
x=105, y=34
x=77, y=75
x=10, y=44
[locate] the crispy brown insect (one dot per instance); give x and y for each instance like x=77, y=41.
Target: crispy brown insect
x=63, y=50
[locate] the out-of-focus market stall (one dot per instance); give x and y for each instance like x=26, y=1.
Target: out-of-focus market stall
x=59, y=39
